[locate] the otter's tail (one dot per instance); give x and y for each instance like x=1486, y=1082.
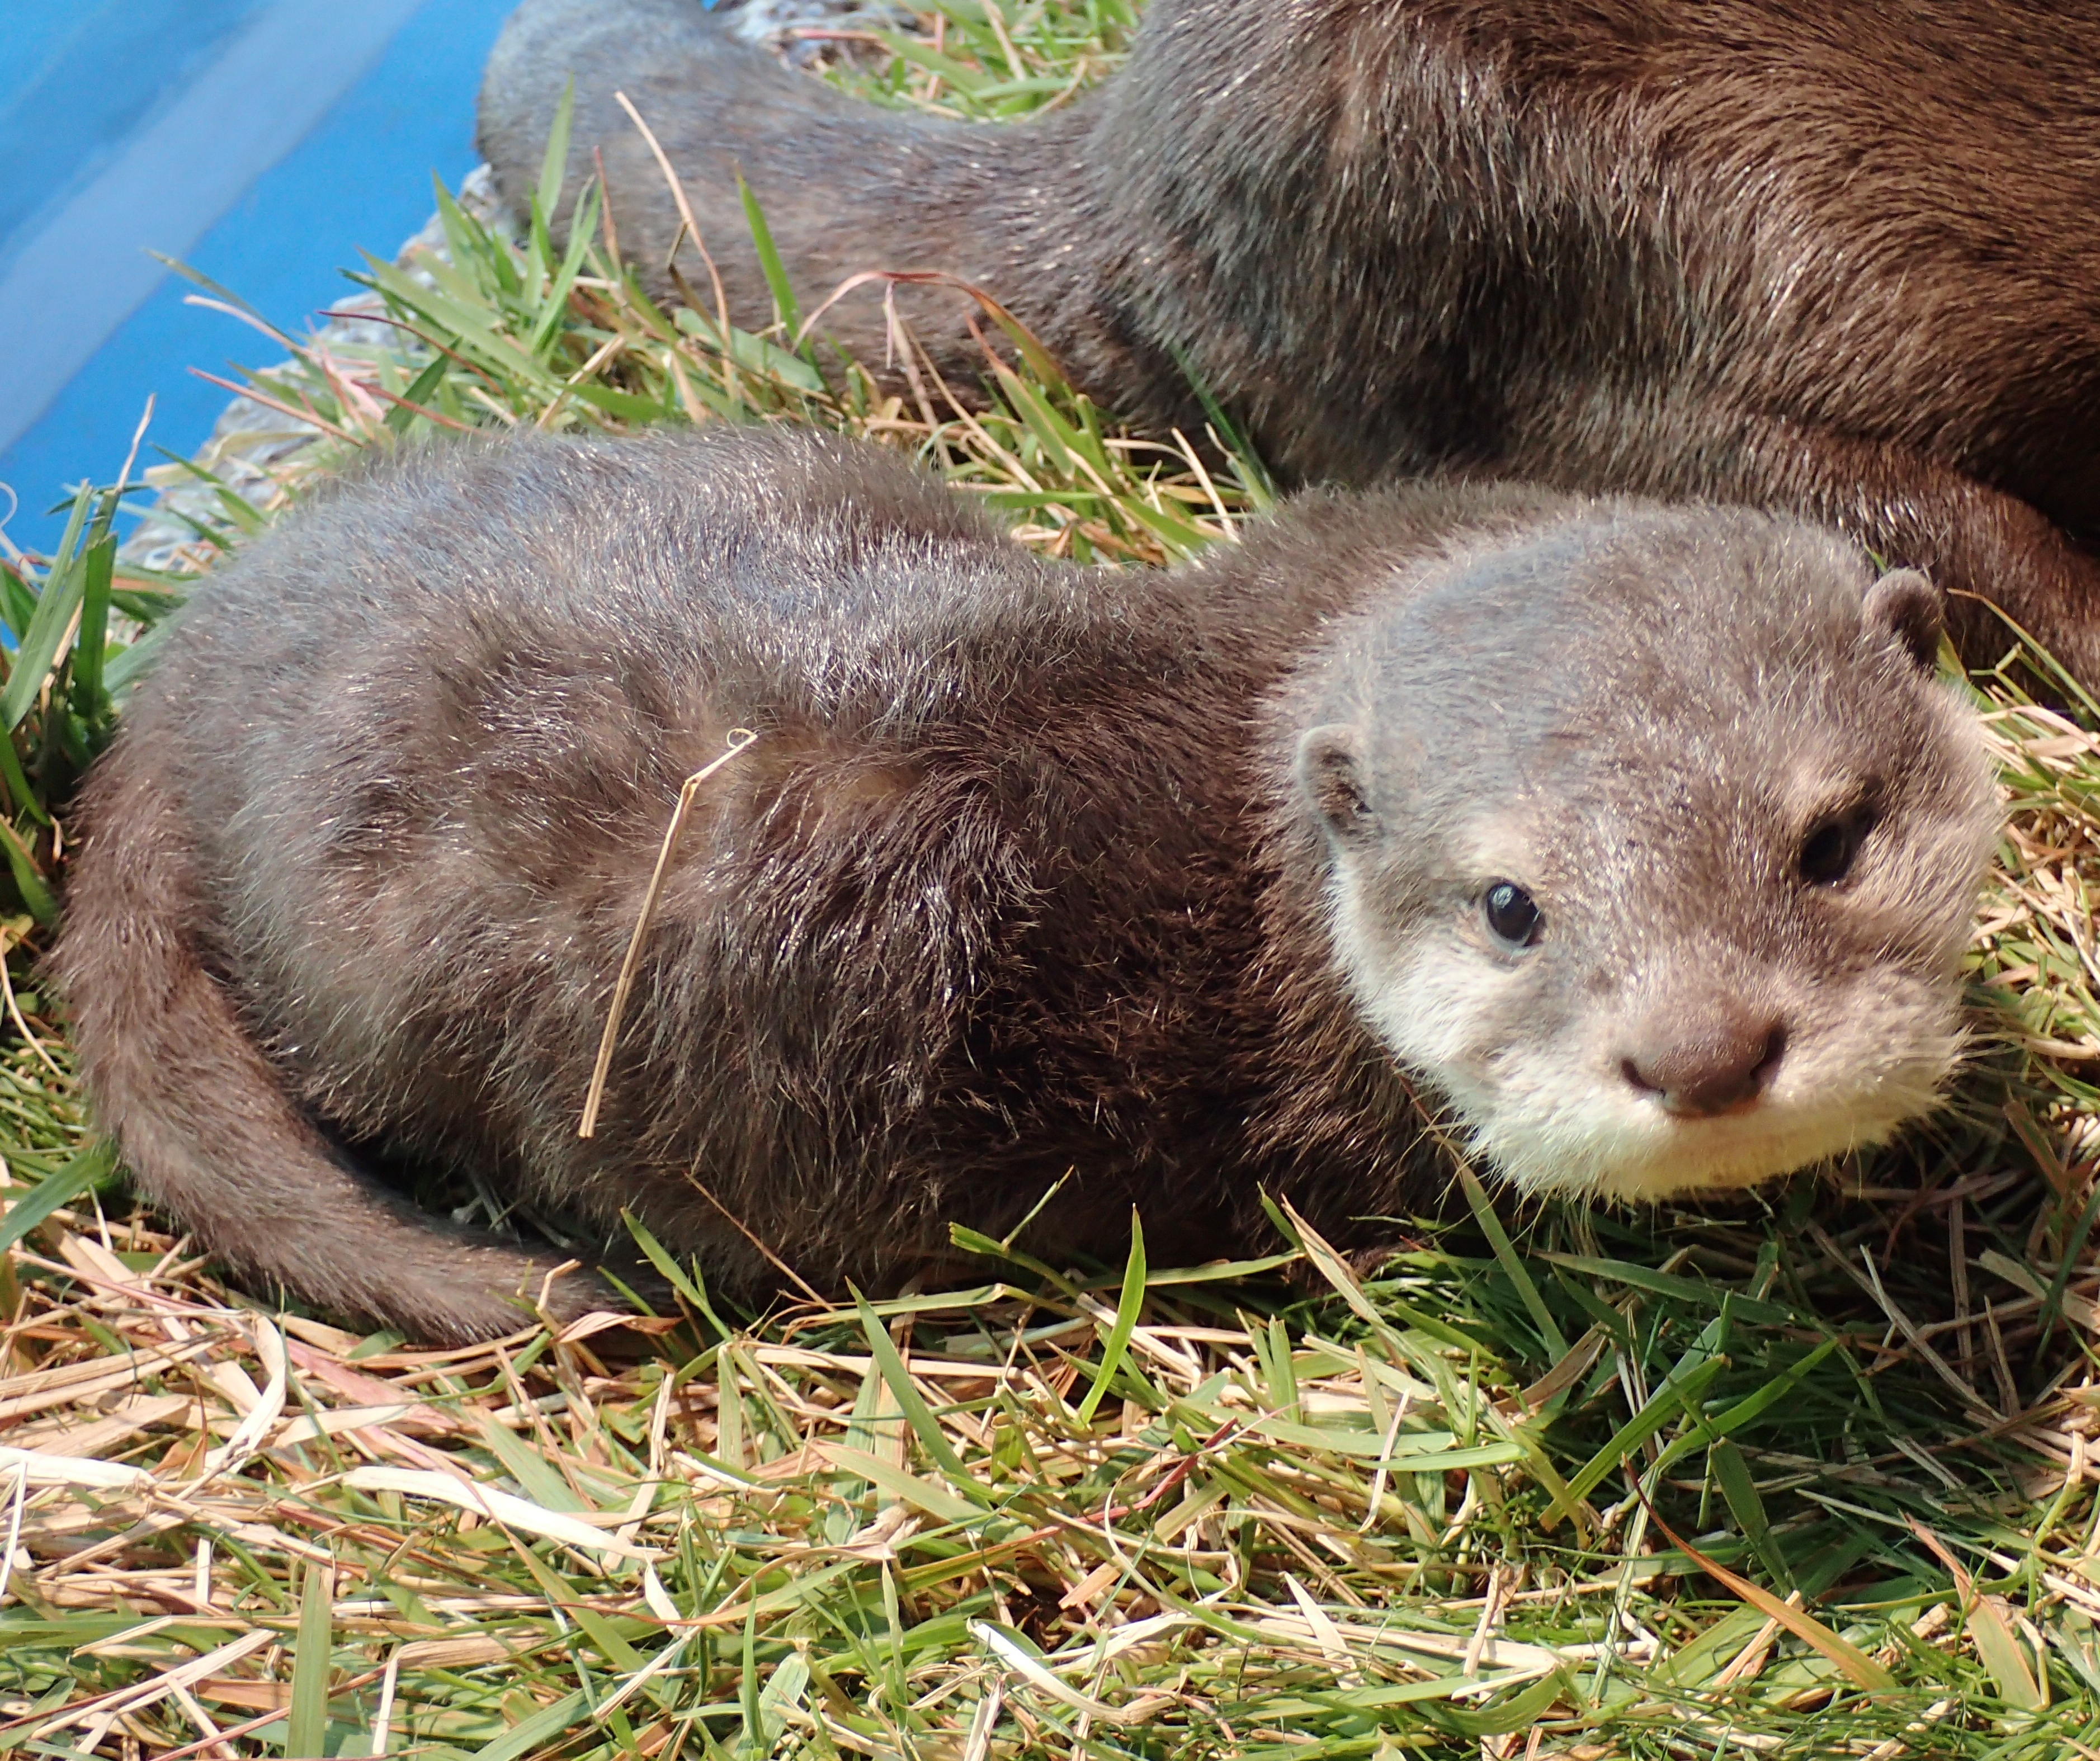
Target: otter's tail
x=846, y=187
x=205, y=1124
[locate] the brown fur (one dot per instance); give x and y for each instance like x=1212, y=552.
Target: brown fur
x=1021, y=878
x=1838, y=260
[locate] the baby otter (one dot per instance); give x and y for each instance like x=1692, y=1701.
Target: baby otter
x=1640, y=840
x=1826, y=259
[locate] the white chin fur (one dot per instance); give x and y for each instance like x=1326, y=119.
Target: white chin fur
x=1558, y=1117
x=1595, y=1143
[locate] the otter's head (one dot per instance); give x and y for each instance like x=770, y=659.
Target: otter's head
x=1652, y=842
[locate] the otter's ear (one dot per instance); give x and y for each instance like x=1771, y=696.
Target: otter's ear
x=1904, y=604
x=1330, y=771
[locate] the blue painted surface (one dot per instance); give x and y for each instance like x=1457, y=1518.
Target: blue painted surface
x=361, y=179
x=71, y=102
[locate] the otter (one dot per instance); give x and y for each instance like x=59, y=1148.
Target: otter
x=1633, y=845
x=1831, y=261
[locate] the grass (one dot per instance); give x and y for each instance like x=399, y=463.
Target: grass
x=1810, y=1476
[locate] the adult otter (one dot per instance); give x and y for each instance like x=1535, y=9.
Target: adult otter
x=1839, y=261
x=1643, y=836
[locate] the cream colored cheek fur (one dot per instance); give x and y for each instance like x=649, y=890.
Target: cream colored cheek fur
x=1558, y=1117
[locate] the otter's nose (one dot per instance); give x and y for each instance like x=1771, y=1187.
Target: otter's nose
x=1706, y=1062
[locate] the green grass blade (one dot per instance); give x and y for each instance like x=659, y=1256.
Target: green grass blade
x=1857, y=1667
x=55, y=1191
x=198, y=278
x=964, y=79
x=26, y=796
x=785, y=307
x=1183, y=539
x=1733, y=1419
x=1740, y=1490
x=971, y=1241
x=422, y=389
x=921, y=1494
x=524, y=1463
x=18, y=605
x=93, y=641
x=536, y=1734
x=687, y=1286
x=1520, y=1712
x=123, y=670
x=306, y=1730
x=2067, y=1263
x=1668, y=1284
x=471, y=332
x=555, y=164
x=1512, y=1264
x=1261, y=487
x=917, y=1414
x=555, y=305
x=469, y=243
x=560, y=1594
x=1128, y=1305
x=47, y=632
x=757, y=1739
x=29, y=881
x=1663, y=1405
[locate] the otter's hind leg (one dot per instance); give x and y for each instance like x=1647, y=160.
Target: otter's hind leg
x=845, y=188
x=208, y=1128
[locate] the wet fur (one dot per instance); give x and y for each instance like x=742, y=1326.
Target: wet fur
x=1840, y=262
x=1019, y=878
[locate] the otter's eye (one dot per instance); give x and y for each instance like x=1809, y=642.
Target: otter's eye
x=1827, y=853
x=1511, y=915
